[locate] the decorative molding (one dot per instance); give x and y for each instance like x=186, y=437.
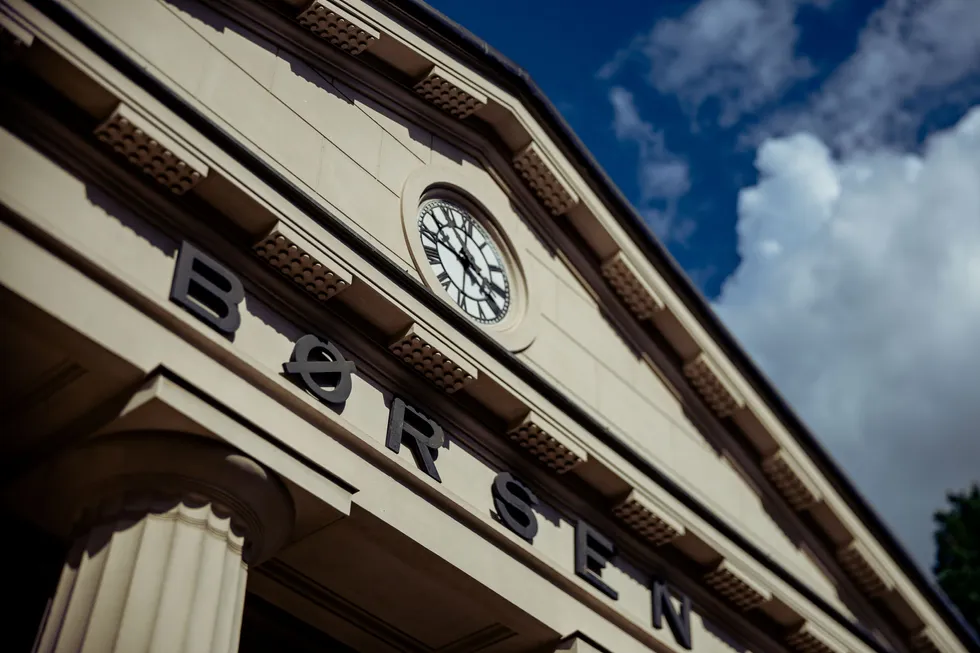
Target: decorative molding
x=300, y=585
x=544, y=180
x=860, y=565
x=638, y=296
x=713, y=386
x=302, y=263
x=132, y=136
x=522, y=324
x=421, y=351
x=808, y=639
x=342, y=29
x=649, y=520
x=450, y=93
x=539, y=439
x=925, y=641
x=14, y=38
x=737, y=587
x=790, y=480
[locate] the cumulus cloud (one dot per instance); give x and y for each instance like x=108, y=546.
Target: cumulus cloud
x=859, y=295
x=662, y=175
x=907, y=51
x=741, y=53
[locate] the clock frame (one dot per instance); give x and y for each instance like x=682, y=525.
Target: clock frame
x=495, y=213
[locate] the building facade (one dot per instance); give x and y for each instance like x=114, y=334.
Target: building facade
x=323, y=333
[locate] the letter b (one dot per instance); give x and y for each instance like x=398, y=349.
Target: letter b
x=207, y=289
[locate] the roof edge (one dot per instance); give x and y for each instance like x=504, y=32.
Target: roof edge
x=454, y=37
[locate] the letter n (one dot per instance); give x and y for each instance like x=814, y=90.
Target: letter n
x=679, y=623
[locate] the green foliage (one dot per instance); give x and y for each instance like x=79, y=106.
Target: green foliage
x=957, y=565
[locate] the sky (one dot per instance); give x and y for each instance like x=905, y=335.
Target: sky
x=814, y=165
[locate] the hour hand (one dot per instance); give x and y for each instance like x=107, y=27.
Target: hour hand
x=444, y=240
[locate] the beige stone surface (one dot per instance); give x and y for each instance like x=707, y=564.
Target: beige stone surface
x=170, y=39
x=365, y=201
x=415, y=138
x=253, y=54
x=565, y=361
x=260, y=117
x=313, y=96
x=152, y=29
x=397, y=163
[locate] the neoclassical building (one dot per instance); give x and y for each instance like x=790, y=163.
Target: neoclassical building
x=322, y=332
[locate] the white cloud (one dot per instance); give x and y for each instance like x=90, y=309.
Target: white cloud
x=909, y=54
x=859, y=295
x=663, y=176
x=741, y=53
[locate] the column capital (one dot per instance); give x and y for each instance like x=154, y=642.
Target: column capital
x=141, y=472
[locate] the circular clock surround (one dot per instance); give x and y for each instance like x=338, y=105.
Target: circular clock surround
x=484, y=211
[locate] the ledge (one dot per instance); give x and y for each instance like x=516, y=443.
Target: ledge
x=342, y=29
x=542, y=178
x=809, y=639
x=449, y=93
x=712, y=385
x=638, y=296
x=14, y=39
x=642, y=514
x=302, y=263
x=790, y=480
x=547, y=443
x=736, y=586
x=860, y=566
x=925, y=641
x=442, y=366
x=132, y=136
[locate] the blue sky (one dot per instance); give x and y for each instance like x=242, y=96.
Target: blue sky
x=815, y=167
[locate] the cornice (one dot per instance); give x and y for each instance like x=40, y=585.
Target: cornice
x=276, y=284
x=683, y=330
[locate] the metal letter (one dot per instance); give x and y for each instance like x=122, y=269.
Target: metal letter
x=425, y=436
x=513, y=501
x=680, y=624
x=592, y=551
x=207, y=289
x=322, y=371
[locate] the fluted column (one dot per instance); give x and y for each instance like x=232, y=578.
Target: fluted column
x=168, y=527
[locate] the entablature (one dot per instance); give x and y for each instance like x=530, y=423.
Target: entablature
x=227, y=187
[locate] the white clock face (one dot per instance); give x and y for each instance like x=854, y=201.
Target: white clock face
x=465, y=260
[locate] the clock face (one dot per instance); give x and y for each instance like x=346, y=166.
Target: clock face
x=465, y=260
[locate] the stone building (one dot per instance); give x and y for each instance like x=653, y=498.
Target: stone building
x=322, y=332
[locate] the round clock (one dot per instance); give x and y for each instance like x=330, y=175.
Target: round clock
x=465, y=260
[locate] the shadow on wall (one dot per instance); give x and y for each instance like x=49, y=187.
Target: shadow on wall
x=134, y=224
x=220, y=23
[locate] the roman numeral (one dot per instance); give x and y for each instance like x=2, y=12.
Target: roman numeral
x=444, y=279
x=432, y=254
x=437, y=212
x=497, y=289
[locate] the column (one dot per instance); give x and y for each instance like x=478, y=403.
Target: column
x=166, y=528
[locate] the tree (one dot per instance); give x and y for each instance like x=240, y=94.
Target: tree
x=957, y=565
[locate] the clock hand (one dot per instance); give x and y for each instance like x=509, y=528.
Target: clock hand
x=444, y=239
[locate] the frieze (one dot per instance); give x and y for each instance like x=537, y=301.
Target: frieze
x=212, y=293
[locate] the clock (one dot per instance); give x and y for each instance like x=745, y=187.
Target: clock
x=465, y=260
